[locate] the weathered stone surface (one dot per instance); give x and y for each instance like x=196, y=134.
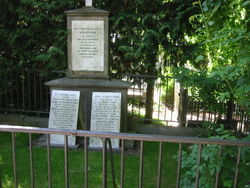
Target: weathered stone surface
x=64, y=113
x=88, y=37
x=105, y=115
x=91, y=83
x=87, y=45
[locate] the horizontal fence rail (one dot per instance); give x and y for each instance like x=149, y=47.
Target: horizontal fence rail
x=106, y=136
x=126, y=136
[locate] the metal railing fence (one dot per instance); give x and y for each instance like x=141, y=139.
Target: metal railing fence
x=141, y=138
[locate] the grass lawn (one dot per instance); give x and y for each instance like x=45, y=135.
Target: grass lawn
x=76, y=165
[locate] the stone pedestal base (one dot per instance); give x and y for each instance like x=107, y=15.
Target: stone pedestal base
x=86, y=88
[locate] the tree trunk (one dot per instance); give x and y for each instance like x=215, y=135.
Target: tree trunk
x=230, y=108
x=182, y=113
x=149, y=102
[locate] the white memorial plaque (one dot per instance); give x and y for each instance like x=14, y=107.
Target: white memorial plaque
x=63, y=114
x=105, y=116
x=88, y=2
x=88, y=45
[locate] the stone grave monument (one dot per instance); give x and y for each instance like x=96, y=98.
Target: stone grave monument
x=88, y=74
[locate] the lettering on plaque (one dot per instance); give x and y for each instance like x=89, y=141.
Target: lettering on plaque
x=64, y=113
x=88, y=45
x=105, y=115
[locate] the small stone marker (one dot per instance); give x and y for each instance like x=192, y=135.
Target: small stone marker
x=105, y=116
x=63, y=114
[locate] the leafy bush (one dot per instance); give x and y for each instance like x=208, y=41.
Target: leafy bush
x=211, y=163
x=167, y=97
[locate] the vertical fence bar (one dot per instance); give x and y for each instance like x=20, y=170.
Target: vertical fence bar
x=240, y=124
x=122, y=164
x=140, y=98
x=198, y=164
x=218, y=172
x=159, y=166
x=159, y=101
x=179, y=166
x=246, y=123
x=243, y=122
x=241, y=117
x=32, y=177
x=12, y=90
x=1, y=100
x=203, y=112
x=0, y=179
x=35, y=93
x=165, y=101
x=141, y=165
x=17, y=91
x=66, y=174
x=237, y=111
x=173, y=92
x=41, y=91
x=14, y=159
x=191, y=109
x=23, y=91
x=133, y=98
x=237, y=167
x=215, y=116
x=108, y=140
x=104, y=164
x=209, y=113
x=49, y=161
x=6, y=93
x=86, y=162
x=47, y=96
x=199, y=109
x=29, y=92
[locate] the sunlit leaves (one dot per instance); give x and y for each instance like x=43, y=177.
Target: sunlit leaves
x=222, y=33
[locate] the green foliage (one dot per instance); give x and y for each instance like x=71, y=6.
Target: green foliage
x=221, y=66
x=211, y=162
x=144, y=31
x=167, y=96
x=146, y=37
x=33, y=34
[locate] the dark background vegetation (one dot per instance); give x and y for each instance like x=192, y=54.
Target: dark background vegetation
x=204, y=44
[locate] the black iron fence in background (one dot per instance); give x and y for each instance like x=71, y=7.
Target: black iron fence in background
x=164, y=107
x=198, y=111
x=25, y=92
